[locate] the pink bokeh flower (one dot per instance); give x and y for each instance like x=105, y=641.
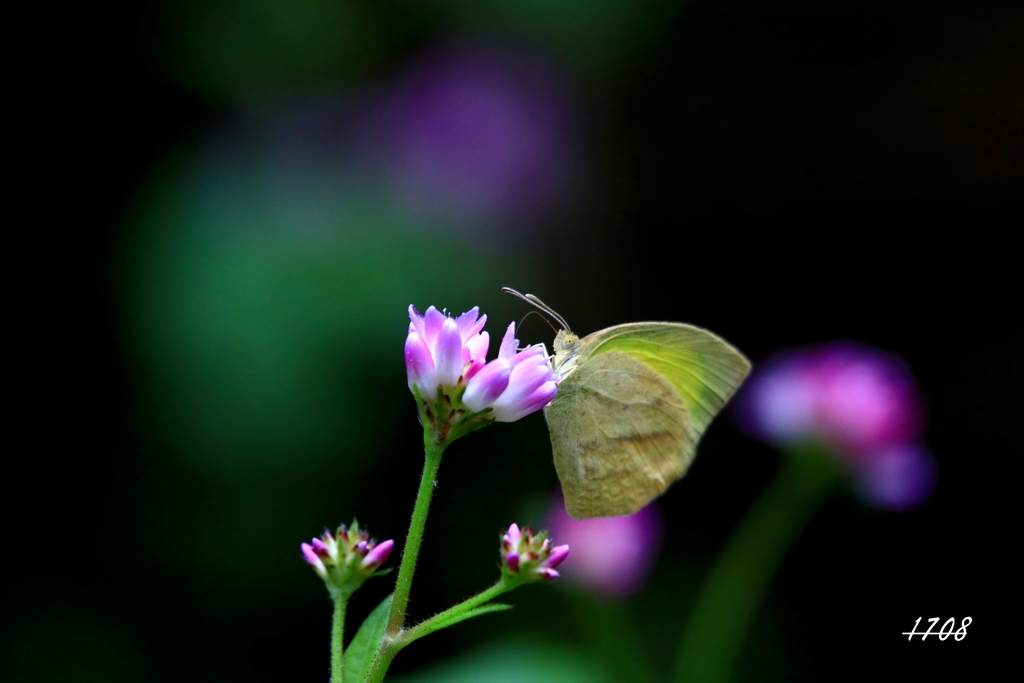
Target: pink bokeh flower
x=447, y=356
x=857, y=402
x=612, y=556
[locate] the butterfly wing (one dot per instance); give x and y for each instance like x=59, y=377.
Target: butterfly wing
x=626, y=422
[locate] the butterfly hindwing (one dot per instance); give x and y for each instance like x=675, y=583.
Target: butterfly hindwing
x=620, y=435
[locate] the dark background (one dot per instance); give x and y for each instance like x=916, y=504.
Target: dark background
x=780, y=173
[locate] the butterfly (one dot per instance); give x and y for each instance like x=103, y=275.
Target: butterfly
x=632, y=403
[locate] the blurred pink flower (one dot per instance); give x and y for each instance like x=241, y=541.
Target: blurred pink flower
x=450, y=354
x=858, y=402
x=611, y=555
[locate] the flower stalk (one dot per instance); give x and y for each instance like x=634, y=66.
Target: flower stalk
x=739, y=580
x=433, y=449
x=338, y=639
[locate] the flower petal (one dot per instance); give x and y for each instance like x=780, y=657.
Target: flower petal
x=419, y=367
x=416, y=321
x=487, y=385
x=448, y=353
x=509, y=343
x=433, y=320
x=468, y=323
x=532, y=403
x=478, y=345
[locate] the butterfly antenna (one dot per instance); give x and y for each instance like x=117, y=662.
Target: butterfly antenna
x=529, y=313
x=531, y=299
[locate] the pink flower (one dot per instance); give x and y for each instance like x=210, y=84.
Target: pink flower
x=530, y=557
x=611, y=555
x=858, y=402
x=440, y=350
x=450, y=355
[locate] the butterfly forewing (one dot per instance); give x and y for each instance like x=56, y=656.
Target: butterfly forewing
x=704, y=368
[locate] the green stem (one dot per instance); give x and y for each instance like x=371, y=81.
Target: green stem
x=338, y=639
x=430, y=624
x=432, y=460
x=739, y=580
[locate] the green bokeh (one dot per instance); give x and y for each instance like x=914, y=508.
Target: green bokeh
x=512, y=661
x=266, y=312
x=593, y=36
x=228, y=48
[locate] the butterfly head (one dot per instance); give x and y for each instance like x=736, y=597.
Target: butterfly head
x=567, y=353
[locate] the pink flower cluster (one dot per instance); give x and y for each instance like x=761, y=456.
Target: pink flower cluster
x=856, y=401
x=531, y=556
x=346, y=561
x=450, y=354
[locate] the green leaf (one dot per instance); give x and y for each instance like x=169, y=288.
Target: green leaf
x=457, y=618
x=364, y=646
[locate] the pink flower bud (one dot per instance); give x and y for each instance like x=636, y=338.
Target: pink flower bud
x=512, y=560
x=558, y=554
x=528, y=557
x=378, y=555
x=310, y=555
x=346, y=561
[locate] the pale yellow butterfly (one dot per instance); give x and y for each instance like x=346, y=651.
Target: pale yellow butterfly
x=632, y=404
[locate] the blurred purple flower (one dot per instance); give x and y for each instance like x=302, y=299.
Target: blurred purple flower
x=611, y=555
x=898, y=478
x=858, y=402
x=475, y=133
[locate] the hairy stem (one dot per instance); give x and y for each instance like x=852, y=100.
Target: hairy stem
x=338, y=639
x=744, y=571
x=432, y=460
x=477, y=600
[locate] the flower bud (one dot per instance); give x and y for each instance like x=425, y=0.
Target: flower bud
x=526, y=557
x=346, y=560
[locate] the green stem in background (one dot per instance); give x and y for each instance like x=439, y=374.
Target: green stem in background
x=338, y=639
x=612, y=632
x=740, y=578
x=432, y=461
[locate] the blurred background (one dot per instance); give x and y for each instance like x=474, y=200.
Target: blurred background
x=229, y=206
